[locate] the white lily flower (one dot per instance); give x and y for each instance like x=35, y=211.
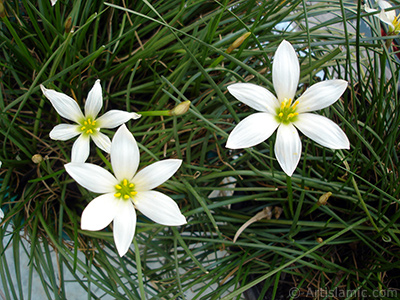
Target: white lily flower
x=284, y=114
x=88, y=125
x=388, y=17
x=126, y=190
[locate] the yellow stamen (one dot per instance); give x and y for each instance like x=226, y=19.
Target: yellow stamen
x=131, y=185
x=283, y=104
x=280, y=115
x=118, y=187
x=133, y=193
x=89, y=131
x=126, y=197
x=125, y=182
x=85, y=122
x=290, y=116
x=289, y=103
x=117, y=195
x=295, y=104
x=83, y=128
x=295, y=114
x=90, y=122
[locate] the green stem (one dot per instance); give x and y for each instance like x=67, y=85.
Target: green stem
x=139, y=270
x=359, y=196
x=290, y=194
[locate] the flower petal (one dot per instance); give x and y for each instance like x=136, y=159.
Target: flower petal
x=124, y=154
x=285, y=71
x=94, y=101
x=1, y=214
x=114, y=118
x=157, y=173
x=255, y=96
x=63, y=132
x=92, y=177
x=288, y=148
x=65, y=106
x=53, y=2
x=124, y=226
x=102, y=141
x=252, y=130
x=99, y=212
x=368, y=9
x=322, y=130
x=386, y=16
x=80, y=149
x=160, y=208
x=321, y=95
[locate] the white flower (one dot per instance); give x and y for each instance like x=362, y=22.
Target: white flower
x=1, y=214
x=88, y=125
x=282, y=114
x=126, y=191
x=53, y=2
x=388, y=17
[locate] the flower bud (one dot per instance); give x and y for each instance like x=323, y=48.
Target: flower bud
x=37, y=158
x=180, y=109
x=324, y=198
x=2, y=9
x=238, y=42
x=68, y=24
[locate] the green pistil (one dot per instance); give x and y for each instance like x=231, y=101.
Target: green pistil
x=125, y=190
x=287, y=112
x=88, y=126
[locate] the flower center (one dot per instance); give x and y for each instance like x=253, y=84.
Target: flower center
x=125, y=190
x=88, y=126
x=287, y=112
x=396, y=24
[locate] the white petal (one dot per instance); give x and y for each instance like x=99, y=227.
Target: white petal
x=124, y=226
x=65, y=106
x=99, y=212
x=92, y=177
x=252, y=130
x=288, y=148
x=53, y=2
x=80, y=149
x=321, y=95
x=285, y=71
x=322, y=130
x=124, y=154
x=63, y=132
x=160, y=208
x=254, y=96
x=94, y=101
x=157, y=173
x=388, y=15
x=368, y=9
x=102, y=141
x=1, y=214
x=114, y=118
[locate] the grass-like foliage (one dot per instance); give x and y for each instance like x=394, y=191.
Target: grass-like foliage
x=152, y=55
